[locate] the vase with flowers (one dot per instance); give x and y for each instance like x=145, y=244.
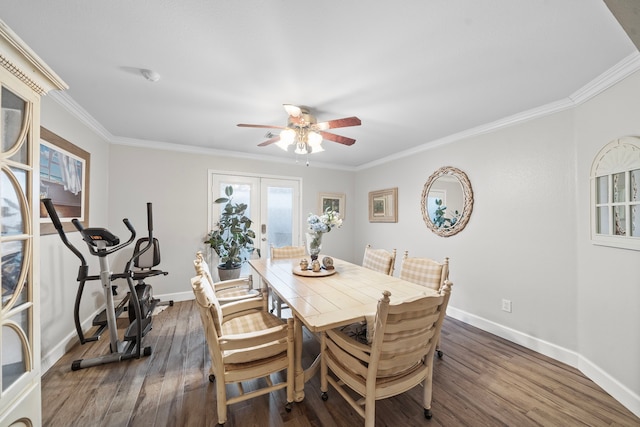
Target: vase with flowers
x=317, y=226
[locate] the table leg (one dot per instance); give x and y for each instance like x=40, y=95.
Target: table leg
x=299, y=372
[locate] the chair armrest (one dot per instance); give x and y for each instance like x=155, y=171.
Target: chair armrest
x=253, y=303
x=234, y=283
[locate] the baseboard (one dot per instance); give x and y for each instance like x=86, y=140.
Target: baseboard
x=612, y=386
x=65, y=345
x=618, y=391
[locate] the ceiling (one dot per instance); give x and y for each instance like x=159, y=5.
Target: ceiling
x=415, y=72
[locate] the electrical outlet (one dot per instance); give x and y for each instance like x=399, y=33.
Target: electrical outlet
x=506, y=305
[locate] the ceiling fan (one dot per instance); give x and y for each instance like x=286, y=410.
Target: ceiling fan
x=304, y=132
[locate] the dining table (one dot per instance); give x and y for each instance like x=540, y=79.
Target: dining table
x=328, y=298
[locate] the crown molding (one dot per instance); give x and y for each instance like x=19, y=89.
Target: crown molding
x=615, y=74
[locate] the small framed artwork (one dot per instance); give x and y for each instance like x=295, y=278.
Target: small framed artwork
x=383, y=205
x=333, y=201
x=64, y=178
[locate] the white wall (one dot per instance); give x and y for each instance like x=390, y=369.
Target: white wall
x=59, y=267
x=520, y=241
x=527, y=239
x=176, y=184
x=608, y=278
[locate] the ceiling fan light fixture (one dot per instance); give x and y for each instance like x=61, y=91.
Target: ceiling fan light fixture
x=314, y=138
x=292, y=110
x=317, y=148
x=301, y=148
x=287, y=136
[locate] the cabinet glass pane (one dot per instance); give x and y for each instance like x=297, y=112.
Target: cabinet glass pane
x=12, y=256
x=619, y=220
x=619, y=186
x=602, y=195
x=603, y=220
x=634, y=177
x=635, y=221
x=10, y=190
x=13, y=357
x=21, y=156
x=12, y=115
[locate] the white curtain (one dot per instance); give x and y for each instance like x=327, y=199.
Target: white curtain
x=70, y=176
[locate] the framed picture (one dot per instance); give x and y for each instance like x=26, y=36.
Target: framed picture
x=383, y=205
x=334, y=201
x=64, y=178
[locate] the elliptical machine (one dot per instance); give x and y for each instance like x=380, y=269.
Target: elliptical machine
x=139, y=301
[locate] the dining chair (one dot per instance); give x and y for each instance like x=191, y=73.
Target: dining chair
x=399, y=357
x=425, y=272
x=281, y=253
x=228, y=290
x=245, y=342
x=379, y=260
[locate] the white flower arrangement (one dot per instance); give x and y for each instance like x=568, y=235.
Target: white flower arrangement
x=325, y=222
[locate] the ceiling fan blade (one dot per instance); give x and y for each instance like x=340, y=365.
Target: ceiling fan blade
x=338, y=138
x=243, y=125
x=339, y=123
x=269, y=141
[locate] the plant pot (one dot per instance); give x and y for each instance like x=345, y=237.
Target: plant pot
x=229, y=273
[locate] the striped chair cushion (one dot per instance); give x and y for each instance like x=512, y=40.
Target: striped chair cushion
x=422, y=271
x=287, y=252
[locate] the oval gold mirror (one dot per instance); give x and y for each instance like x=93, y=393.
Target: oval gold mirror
x=447, y=201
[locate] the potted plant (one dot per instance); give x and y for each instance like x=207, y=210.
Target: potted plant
x=233, y=237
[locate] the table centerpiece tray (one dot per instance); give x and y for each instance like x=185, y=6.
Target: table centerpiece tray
x=310, y=273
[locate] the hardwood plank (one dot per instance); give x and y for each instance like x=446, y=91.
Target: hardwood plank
x=482, y=380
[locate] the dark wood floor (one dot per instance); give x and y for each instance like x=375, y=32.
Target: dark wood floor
x=482, y=380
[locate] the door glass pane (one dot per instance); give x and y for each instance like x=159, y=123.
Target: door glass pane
x=601, y=189
x=13, y=357
x=12, y=220
x=13, y=109
x=241, y=195
x=279, y=207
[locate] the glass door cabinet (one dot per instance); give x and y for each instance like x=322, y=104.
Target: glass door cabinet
x=23, y=79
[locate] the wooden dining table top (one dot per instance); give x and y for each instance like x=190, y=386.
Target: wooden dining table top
x=340, y=299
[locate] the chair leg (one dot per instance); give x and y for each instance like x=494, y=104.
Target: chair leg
x=221, y=397
x=427, y=395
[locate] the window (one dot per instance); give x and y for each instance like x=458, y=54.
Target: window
x=615, y=178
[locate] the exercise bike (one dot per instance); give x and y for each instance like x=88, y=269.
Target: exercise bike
x=139, y=301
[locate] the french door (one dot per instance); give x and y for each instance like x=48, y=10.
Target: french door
x=274, y=206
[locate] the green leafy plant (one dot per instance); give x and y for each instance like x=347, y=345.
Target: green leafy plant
x=439, y=218
x=233, y=237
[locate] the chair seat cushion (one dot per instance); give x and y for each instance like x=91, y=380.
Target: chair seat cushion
x=246, y=324
x=250, y=322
